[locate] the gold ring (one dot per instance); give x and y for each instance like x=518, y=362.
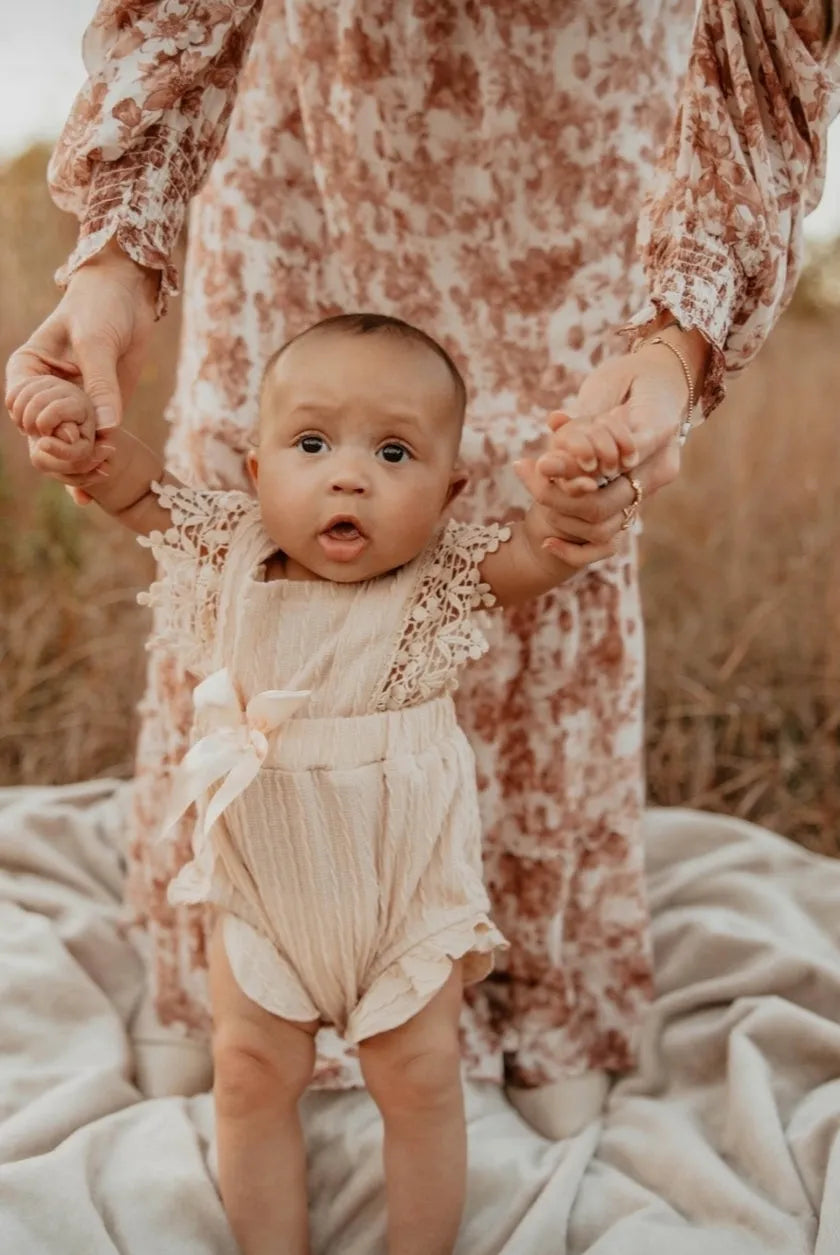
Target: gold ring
x=632, y=509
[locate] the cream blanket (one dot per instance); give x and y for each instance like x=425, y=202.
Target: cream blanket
x=724, y=1142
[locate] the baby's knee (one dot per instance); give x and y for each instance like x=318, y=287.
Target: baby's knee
x=423, y=1080
x=249, y=1075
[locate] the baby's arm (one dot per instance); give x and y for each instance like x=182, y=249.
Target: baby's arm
x=522, y=568
x=117, y=471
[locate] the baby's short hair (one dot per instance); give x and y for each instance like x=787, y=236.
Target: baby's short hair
x=368, y=324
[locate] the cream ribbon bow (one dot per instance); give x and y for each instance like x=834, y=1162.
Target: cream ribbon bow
x=235, y=748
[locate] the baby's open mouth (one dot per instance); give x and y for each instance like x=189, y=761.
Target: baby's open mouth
x=344, y=529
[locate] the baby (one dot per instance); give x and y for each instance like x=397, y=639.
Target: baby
x=338, y=835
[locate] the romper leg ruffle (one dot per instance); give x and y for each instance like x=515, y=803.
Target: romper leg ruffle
x=263, y=974
x=398, y=992
x=407, y=984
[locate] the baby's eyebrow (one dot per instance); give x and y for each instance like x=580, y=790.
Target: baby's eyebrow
x=310, y=407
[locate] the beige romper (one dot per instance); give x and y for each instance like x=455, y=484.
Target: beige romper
x=338, y=826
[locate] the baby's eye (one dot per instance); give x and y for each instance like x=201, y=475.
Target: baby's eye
x=394, y=453
x=312, y=444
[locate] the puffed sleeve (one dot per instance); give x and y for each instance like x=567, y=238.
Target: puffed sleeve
x=721, y=234
x=191, y=555
x=148, y=123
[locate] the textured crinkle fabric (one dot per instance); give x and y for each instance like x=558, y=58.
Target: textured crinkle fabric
x=479, y=170
x=346, y=861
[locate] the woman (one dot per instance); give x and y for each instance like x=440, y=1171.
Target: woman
x=478, y=170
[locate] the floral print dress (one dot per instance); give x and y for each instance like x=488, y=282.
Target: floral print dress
x=521, y=180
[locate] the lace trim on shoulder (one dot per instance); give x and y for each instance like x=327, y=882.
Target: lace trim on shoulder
x=190, y=555
x=440, y=632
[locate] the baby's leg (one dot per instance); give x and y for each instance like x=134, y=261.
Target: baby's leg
x=413, y=1074
x=262, y=1065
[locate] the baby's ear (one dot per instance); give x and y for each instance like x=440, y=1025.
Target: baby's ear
x=458, y=481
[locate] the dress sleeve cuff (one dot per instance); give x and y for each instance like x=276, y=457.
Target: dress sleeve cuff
x=701, y=287
x=140, y=201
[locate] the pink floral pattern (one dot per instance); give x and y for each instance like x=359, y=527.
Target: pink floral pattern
x=480, y=170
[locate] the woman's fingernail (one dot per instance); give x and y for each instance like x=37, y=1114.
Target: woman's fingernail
x=105, y=417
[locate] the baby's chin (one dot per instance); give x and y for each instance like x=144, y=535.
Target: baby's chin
x=361, y=570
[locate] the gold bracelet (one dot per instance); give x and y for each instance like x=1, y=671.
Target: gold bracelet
x=686, y=424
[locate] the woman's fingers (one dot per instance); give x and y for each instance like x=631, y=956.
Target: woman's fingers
x=580, y=555
x=36, y=359
x=591, y=517
x=580, y=486
x=591, y=533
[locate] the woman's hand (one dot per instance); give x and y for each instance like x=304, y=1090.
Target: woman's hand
x=97, y=336
x=645, y=391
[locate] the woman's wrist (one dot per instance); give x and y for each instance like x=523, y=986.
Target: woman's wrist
x=691, y=343
x=117, y=262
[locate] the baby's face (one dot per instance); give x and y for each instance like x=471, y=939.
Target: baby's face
x=356, y=460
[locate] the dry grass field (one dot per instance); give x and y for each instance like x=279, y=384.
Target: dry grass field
x=741, y=575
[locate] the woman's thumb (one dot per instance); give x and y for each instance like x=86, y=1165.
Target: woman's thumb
x=97, y=359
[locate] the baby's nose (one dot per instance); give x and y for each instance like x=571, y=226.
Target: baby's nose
x=350, y=479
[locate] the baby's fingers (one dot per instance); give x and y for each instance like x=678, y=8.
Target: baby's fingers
x=560, y=468
x=606, y=448
x=615, y=422
x=572, y=452
x=31, y=399
x=54, y=457
x=68, y=432
x=68, y=415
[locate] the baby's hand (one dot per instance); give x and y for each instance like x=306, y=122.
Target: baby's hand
x=61, y=424
x=584, y=452
x=51, y=406
x=547, y=523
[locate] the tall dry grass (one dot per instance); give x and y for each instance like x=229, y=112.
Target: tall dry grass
x=740, y=576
